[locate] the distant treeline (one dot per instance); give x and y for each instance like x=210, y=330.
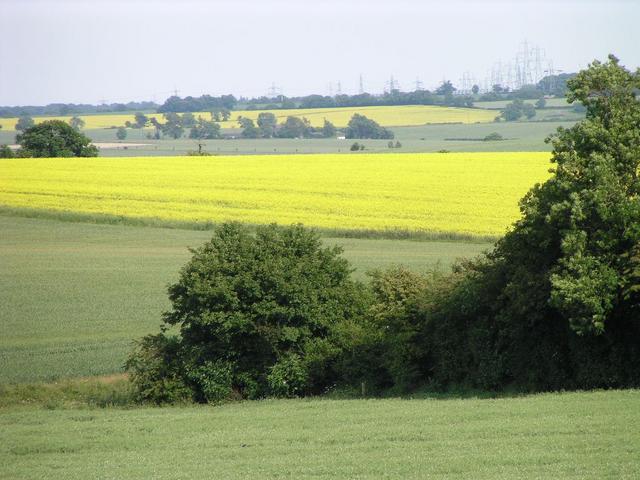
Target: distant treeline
x=75, y=109
x=446, y=94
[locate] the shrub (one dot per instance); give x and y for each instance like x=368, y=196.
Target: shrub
x=155, y=370
x=257, y=315
x=6, y=152
x=493, y=137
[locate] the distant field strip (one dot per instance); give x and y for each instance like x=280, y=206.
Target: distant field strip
x=392, y=116
x=465, y=193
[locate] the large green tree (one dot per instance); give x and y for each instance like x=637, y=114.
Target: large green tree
x=55, y=138
x=555, y=305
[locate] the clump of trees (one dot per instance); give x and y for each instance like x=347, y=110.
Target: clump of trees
x=516, y=110
x=362, y=127
x=54, y=138
x=175, y=125
x=555, y=305
x=62, y=109
x=292, y=127
x=204, y=103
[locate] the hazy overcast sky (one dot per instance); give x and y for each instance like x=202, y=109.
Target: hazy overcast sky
x=93, y=50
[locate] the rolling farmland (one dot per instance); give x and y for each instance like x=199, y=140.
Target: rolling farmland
x=472, y=194
x=393, y=116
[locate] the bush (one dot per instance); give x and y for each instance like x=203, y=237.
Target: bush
x=493, y=137
x=288, y=377
x=6, y=152
x=257, y=314
x=155, y=370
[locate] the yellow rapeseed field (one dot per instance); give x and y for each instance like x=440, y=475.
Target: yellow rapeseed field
x=469, y=193
x=393, y=116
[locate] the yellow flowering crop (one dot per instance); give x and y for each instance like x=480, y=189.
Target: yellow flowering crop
x=470, y=193
x=392, y=116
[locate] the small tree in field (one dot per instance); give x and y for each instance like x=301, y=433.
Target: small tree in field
x=76, y=123
x=55, y=138
x=24, y=123
x=121, y=133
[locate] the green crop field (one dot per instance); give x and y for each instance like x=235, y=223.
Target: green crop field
x=73, y=296
x=569, y=435
x=464, y=137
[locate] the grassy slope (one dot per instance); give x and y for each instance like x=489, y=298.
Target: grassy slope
x=569, y=435
x=73, y=295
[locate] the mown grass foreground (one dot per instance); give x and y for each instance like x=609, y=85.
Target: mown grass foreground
x=464, y=194
x=570, y=435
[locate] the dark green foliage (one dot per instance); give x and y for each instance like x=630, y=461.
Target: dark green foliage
x=294, y=127
x=55, y=138
x=541, y=103
x=554, y=306
x=516, y=109
x=362, y=127
x=187, y=120
x=197, y=104
x=205, y=129
x=155, y=371
x=328, y=129
x=493, y=137
x=249, y=129
x=446, y=88
x=267, y=124
x=6, y=152
x=257, y=315
x=172, y=127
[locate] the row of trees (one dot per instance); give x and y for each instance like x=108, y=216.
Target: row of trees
x=555, y=305
x=63, y=109
x=555, y=85
x=204, y=103
x=517, y=109
x=294, y=127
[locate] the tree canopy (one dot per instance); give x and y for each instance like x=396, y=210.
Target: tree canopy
x=256, y=315
x=362, y=127
x=55, y=138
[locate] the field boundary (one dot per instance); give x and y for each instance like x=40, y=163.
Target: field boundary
x=122, y=220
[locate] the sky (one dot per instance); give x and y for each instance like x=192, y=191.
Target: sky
x=98, y=51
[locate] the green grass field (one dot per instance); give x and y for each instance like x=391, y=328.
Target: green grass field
x=582, y=435
x=519, y=136
x=73, y=296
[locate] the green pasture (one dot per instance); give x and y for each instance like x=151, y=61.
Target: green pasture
x=73, y=296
